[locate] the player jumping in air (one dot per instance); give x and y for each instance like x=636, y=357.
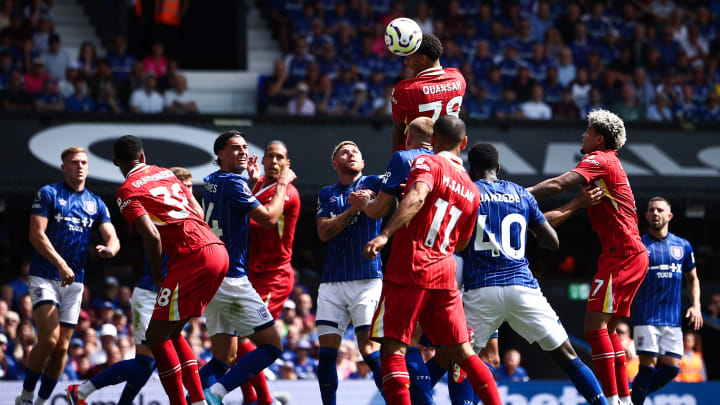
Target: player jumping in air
x=419, y=284
x=433, y=92
x=62, y=216
x=658, y=305
x=156, y=204
x=623, y=262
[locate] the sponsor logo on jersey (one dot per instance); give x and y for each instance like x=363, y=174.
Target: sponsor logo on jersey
x=591, y=159
x=62, y=202
x=676, y=252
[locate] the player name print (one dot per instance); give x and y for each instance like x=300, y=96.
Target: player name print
x=499, y=197
x=442, y=87
x=458, y=188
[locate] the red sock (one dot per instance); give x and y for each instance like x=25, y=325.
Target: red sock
x=603, y=357
x=188, y=363
x=168, y=365
x=261, y=388
x=620, y=369
x=481, y=380
x=249, y=394
x=396, y=380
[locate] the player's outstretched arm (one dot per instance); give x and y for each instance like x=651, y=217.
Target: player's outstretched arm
x=269, y=214
x=694, y=314
x=397, y=133
x=376, y=207
x=546, y=236
x=411, y=204
x=41, y=243
x=586, y=197
x=153, y=246
x=112, y=243
x=550, y=187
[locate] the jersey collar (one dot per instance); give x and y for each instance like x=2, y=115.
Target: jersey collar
x=452, y=158
x=433, y=71
x=135, y=169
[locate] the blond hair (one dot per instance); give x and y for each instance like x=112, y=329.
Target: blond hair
x=610, y=126
x=71, y=151
x=340, y=145
x=181, y=173
x=421, y=130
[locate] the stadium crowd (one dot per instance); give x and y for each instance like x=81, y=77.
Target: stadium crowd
x=646, y=60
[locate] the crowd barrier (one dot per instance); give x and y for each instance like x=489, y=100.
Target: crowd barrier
x=363, y=392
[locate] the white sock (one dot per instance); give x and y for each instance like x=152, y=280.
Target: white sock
x=27, y=395
x=199, y=403
x=218, y=390
x=613, y=400
x=39, y=401
x=625, y=401
x=86, y=389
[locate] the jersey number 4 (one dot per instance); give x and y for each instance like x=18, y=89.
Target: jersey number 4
x=452, y=107
x=486, y=240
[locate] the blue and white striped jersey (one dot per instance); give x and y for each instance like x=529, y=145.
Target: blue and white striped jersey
x=399, y=168
x=344, y=260
x=146, y=281
x=495, y=255
x=227, y=199
x=659, y=300
x=70, y=216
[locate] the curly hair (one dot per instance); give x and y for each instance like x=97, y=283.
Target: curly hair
x=610, y=126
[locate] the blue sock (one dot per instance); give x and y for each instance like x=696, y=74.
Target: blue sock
x=461, y=393
x=373, y=361
x=420, y=388
x=585, y=382
x=664, y=373
x=434, y=371
x=117, y=373
x=211, y=371
x=248, y=365
x=641, y=384
x=31, y=379
x=142, y=370
x=327, y=374
x=491, y=368
x=47, y=385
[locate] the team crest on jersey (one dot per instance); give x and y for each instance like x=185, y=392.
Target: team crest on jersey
x=38, y=292
x=90, y=207
x=62, y=202
x=676, y=252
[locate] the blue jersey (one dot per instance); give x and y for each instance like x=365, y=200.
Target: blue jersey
x=659, y=300
x=344, y=260
x=146, y=281
x=399, y=168
x=495, y=255
x=227, y=199
x=70, y=216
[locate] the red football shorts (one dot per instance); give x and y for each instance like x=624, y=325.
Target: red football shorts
x=191, y=282
x=439, y=312
x=274, y=287
x=616, y=282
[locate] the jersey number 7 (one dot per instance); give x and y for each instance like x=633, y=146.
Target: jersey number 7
x=452, y=107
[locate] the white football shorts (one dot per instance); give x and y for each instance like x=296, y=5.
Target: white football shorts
x=651, y=340
x=237, y=308
x=67, y=299
x=142, y=303
x=340, y=302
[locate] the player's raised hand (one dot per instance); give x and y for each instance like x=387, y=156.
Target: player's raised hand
x=375, y=246
x=360, y=199
x=253, y=169
x=104, y=252
x=589, y=195
x=67, y=275
x=287, y=176
x=694, y=315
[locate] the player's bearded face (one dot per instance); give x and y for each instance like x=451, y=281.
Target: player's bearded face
x=275, y=160
x=658, y=215
x=349, y=160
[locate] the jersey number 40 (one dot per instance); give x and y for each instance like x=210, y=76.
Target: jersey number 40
x=486, y=240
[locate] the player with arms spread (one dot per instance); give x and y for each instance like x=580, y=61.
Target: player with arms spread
x=62, y=216
x=419, y=285
x=658, y=305
x=433, y=92
x=622, y=265
x=156, y=204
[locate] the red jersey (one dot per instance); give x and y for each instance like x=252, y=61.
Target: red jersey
x=422, y=250
x=432, y=93
x=156, y=191
x=615, y=219
x=271, y=248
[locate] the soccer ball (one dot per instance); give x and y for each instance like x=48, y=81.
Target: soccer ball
x=403, y=36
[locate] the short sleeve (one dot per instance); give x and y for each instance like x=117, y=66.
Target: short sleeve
x=535, y=216
x=590, y=168
x=689, y=259
x=394, y=175
x=422, y=170
x=130, y=207
x=323, y=208
x=43, y=203
x=398, y=100
x=374, y=183
x=103, y=211
x=242, y=197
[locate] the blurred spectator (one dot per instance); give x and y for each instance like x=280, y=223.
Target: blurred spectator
x=580, y=88
x=16, y=31
x=566, y=68
x=120, y=60
x=178, y=100
x=296, y=63
x=87, y=58
x=42, y=35
x=20, y=283
x=66, y=86
x=633, y=361
x=108, y=101
x=423, y=18
x=552, y=89
x=507, y=107
x=361, y=104
x=9, y=370
x=287, y=371
x=26, y=309
x=523, y=84
x=685, y=109
x=667, y=46
x=692, y=367
x=5, y=67
x=566, y=108
x=624, y=66
x=566, y=24
x=595, y=103
x=660, y=111
x=14, y=97
x=146, y=100
x=56, y=58
x=279, y=90
x=478, y=106
x=482, y=61
x=541, y=21
x=6, y=8
x=305, y=365
x=345, y=361
x=628, y=108
x=711, y=112
x=536, y=108
x=156, y=62
x=538, y=63
x=509, y=63
x=301, y=104
x=167, y=82
x=112, y=356
x=35, y=79
x=580, y=46
x=108, y=336
x=79, y=101
x=49, y=99
x=510, y=369
x=644, y=90
x=662, y=9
